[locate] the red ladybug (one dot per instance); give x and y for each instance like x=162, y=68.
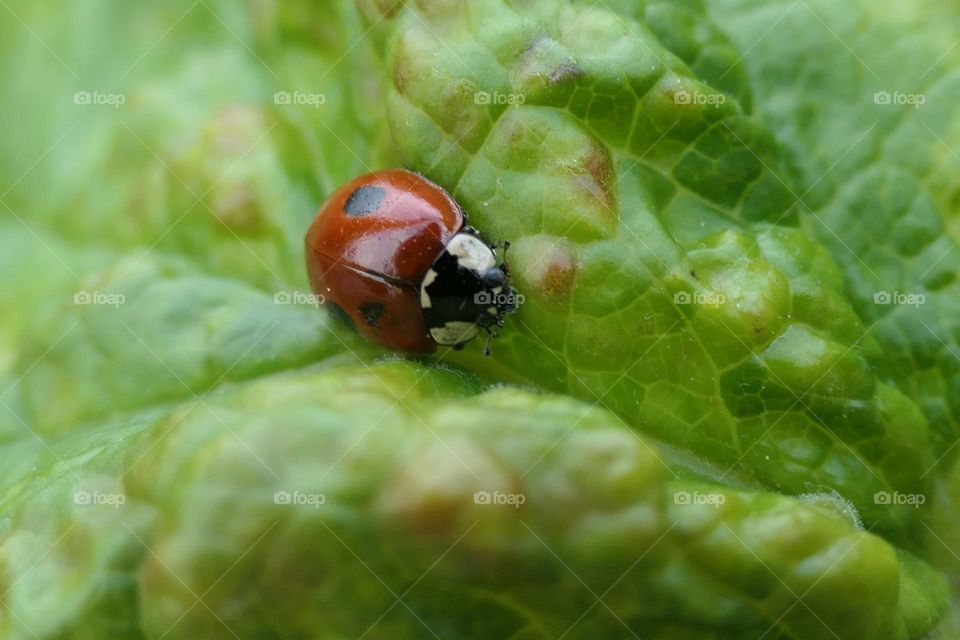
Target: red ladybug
x=393, y=257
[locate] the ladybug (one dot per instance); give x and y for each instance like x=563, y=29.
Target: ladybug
x=393, y=257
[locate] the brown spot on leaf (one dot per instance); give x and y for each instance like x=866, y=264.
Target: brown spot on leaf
x=598, y=178
x=558, y=278
x=551, y=268
x=442, y=500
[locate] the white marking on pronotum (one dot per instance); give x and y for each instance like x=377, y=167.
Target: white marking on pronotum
x=472, y=253
x=454, y=332
x=427, y=281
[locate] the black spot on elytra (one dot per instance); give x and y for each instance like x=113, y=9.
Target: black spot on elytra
x=372, y=312
x=364, y=200
x=338, y=314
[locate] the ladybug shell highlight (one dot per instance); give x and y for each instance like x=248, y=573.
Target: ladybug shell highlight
x=369, y=248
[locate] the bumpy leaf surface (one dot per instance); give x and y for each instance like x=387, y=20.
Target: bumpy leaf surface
x=705, y=421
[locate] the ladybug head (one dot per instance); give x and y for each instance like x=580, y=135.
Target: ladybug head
x=466, y=291
x=497, y=298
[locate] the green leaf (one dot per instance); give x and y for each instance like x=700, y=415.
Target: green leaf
x=668, y=279
x=700, y=424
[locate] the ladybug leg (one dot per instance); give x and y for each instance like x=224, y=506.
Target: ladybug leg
x=459, y=346
x=486, y=347
x=504, y=266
